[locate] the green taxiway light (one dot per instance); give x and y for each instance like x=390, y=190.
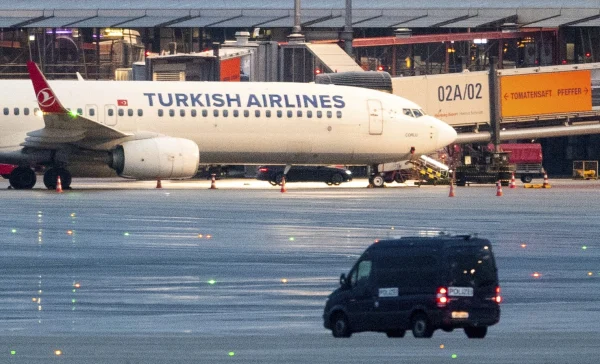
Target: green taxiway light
x=231, y=353
x=212, y=281
x=13, y=231
x=584, y=247
x=454, y=356
x=13, y=352
x=292, y=238
x=126, y=234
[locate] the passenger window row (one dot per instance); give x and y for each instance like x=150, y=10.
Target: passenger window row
x=120, y=112
x=17, y=111
x=79, y=111
x=194, y=113
x=257, y=113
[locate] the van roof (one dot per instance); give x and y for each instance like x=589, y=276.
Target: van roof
x=436, y=241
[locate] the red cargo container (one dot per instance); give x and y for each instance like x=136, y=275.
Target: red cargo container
x=527, y=158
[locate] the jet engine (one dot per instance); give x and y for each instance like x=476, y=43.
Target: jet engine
x=161, y=157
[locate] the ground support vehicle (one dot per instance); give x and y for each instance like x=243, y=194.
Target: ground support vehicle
x=585, y=170
x=420, y=284
x=484, y=167
x=527, y=160
x=424, y=170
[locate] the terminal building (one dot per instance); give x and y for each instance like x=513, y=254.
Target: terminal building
x=297, y=40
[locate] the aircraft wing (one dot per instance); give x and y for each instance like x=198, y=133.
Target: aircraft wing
x=62, y=126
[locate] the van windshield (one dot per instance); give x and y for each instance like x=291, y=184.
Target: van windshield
x=471, y=266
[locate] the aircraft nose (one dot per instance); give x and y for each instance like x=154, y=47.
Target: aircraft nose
x=446, y=134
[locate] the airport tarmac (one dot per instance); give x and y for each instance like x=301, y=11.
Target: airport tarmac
x=118, y=271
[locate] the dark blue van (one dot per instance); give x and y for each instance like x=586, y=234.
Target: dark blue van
x=420, y=284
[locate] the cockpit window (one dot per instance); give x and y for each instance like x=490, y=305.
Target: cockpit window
x=418, y=113
x=408, y=112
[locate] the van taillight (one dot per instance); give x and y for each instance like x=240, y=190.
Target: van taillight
x=442, y=297
x=263, y=170
x=498, y=298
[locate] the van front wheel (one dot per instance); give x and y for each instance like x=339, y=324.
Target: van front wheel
x=476, y=332
x=421, y=327
x=340, y=327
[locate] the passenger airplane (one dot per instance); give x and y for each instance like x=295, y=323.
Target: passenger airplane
x=164, y=130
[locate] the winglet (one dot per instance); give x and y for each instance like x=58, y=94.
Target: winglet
x=45, y=96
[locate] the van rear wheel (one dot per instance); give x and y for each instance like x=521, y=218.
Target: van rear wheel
x=421, y=327
x=340, y=327
x=395, y=333
x=476, y=332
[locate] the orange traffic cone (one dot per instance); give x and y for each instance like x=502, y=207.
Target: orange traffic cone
x=499, y=188
x=546, y=183
x=451, y=194
x=158, y=183
x=283, y=189
x=213, y=181
x=513, y=184
x=58, y=185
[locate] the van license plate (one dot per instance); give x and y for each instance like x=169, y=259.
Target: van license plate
x=460, y=291
x=460, y=315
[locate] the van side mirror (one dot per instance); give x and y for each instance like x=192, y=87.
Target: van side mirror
x=343, y=280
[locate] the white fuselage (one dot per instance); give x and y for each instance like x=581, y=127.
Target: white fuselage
x=239, y=123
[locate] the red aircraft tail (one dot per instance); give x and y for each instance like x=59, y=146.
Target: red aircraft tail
x=45, y=96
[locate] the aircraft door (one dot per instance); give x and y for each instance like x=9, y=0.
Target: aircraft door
x=110, y=115
x=375, y=117
x=91, y=112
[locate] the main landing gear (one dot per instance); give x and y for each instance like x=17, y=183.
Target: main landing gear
x=24, y=178
x=51, y=176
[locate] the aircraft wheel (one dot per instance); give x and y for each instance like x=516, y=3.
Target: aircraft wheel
x=51, y=175
x=22, y=178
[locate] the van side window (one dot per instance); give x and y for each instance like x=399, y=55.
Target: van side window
x=408, y=268
x=362, y=273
